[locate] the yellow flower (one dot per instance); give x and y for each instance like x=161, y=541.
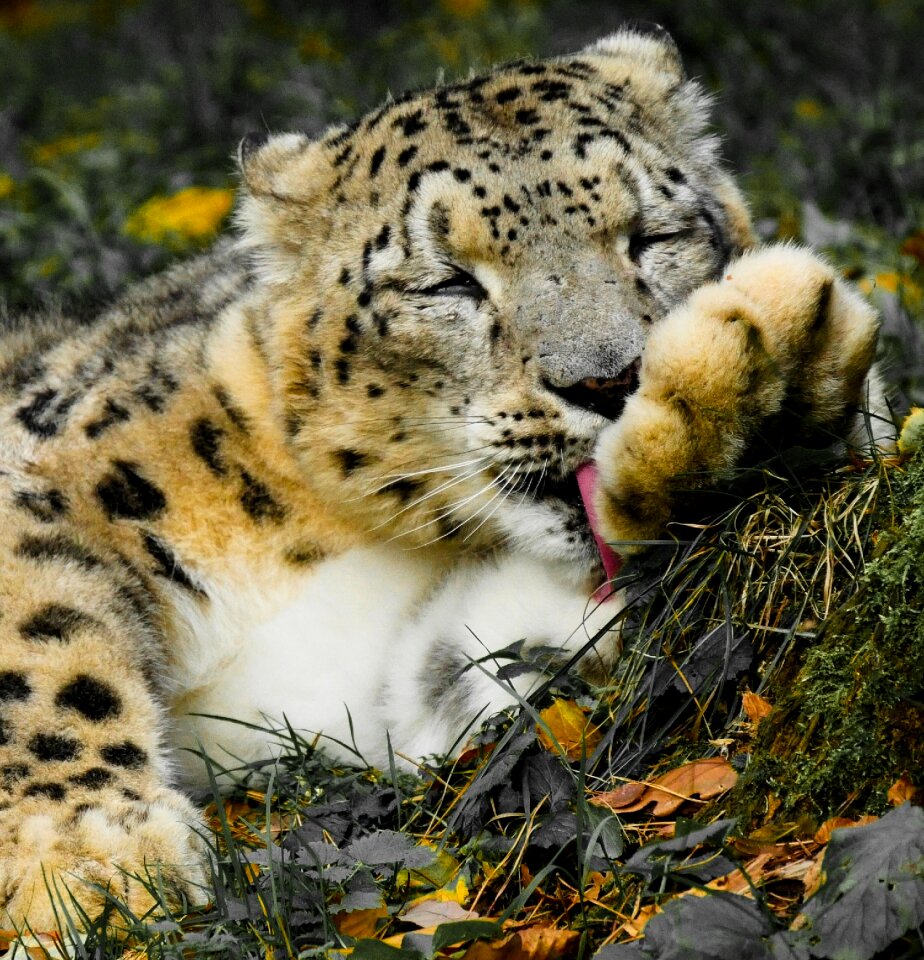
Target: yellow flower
x=7, y=185
x=48, y=152
x=465, y=8
x=899, y=284
x=192, y=215
x=809, y=109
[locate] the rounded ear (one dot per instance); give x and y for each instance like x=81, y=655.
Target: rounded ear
x=284, y=177
x=642, y=44
x=275, y=164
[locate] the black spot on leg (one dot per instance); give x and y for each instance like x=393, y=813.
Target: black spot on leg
x=258, y=502
x=112, y=414
x=232, y=412
x=167, y=564
x=91, y=698
x=14, y=773
x=46, y=507
x=205, y=438
x=14, y=686
x=373, y=390
x=54, y=621
x=93, y=779
x=125, y=754
x=53, y=791
x=5, y=734
x=49, y=747
x=57, y=548
x=126, y=495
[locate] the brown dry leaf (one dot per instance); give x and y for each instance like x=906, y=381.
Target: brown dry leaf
x=531, y=943
x=636, y=926
x=701, y=779
x=823, y=833
x=814, y=877
x=622, y=797
x=755, y=706
x=569, y=726
x=359, y=923
x=900, y=791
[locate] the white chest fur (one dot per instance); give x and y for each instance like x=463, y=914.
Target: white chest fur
x=359, y=647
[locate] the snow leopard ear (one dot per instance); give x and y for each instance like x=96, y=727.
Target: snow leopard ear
x=283, y=166
x=638, y=43
x=284, y=178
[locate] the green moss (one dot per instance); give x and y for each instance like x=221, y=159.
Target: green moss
x=849, y=709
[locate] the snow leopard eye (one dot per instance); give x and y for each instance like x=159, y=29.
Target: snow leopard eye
x=460, y=284
x=639, y=243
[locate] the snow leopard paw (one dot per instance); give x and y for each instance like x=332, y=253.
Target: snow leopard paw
x=780, y=330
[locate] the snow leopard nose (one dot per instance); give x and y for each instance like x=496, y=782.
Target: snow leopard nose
x=603, y=395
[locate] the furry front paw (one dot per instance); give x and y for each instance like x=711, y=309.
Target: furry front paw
x=56, y=861
x=779, y=329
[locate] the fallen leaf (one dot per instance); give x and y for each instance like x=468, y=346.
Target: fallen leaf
x=755, y=706
x=900, y=791
x=622, y=796
x=359, y=923
x=431, y=913
x=702, y=779
x=531, y=943
x=823, y=833
x=636, y=926
x=565, y=728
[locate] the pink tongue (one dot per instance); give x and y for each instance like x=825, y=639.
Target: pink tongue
x=588, y=478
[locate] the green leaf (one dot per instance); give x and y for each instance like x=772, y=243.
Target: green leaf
x=376, y=950
x=874, y=887
x=715, y=927
x=447, y=934
x=389, y=847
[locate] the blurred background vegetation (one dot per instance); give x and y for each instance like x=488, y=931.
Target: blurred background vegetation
x=118, y=120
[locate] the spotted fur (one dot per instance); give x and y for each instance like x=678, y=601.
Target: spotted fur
x=330, y=464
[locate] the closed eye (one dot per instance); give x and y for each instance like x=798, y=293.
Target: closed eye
x=460, y=284
x=639, y=243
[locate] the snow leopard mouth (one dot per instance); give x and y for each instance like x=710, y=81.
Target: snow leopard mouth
x=542, y=485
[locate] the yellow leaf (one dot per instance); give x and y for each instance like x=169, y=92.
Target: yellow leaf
x=360, y=924
x=7, y=185
x=900, y=791
x=537, y=942
x=565, y=728
x=755, y=706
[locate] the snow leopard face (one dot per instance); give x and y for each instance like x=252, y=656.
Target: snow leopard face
x=463, y=282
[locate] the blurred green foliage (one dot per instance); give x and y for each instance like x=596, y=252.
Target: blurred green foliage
x=110, y=104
